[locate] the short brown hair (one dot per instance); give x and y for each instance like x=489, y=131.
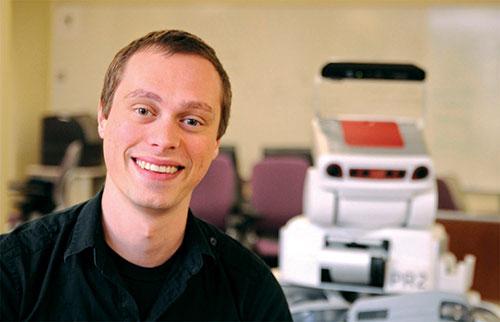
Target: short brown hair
x=172, y=42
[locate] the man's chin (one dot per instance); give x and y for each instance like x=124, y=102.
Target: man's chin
x=156, y=205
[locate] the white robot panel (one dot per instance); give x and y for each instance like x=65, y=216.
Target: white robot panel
x=375, y=174
x=378, y=261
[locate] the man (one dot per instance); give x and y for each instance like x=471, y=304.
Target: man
x=135, y=252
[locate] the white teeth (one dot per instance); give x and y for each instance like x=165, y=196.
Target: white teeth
x=156, y=168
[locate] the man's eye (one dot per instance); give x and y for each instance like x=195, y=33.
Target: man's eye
x=192, y=122
x=142, y=111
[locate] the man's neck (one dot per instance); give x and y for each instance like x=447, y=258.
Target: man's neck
x=141, y=236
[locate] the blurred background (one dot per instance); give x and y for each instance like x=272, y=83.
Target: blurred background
x=53, y=55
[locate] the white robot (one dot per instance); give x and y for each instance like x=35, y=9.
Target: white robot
x=370, y=204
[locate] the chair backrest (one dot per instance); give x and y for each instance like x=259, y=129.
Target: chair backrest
x=446, y=201
x=305, y=153
x=277, y=185
x=215, y=195
x=232, y=153
x=230, y=150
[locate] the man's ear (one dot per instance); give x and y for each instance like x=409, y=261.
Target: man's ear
x=216, y=151
x=101, y=120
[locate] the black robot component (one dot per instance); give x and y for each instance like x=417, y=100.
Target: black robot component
x=347, y=70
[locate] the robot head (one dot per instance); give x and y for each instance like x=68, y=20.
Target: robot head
x=370, y=173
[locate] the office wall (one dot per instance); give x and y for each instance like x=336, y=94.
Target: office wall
x=272, y=52
x=5, y=18
x=25, y=88
x=464, y=94
x=30, y=78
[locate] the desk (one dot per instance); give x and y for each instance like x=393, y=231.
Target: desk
x=83, y=183
x=479, y=236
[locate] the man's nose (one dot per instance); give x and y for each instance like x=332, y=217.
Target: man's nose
x=164, y=134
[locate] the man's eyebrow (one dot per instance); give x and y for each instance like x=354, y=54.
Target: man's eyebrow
x=143, y=93
x=199, y=106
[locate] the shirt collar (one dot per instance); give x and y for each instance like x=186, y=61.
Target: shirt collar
x=88, y=230
x=196, y=237
x=87, y=227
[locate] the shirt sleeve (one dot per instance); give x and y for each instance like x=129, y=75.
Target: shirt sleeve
x=268, y=303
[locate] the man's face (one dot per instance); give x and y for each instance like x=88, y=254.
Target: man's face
x=161, y=133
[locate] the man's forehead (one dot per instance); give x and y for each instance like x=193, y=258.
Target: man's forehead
x=137, y=60
x=141, y=58
x=165, y=53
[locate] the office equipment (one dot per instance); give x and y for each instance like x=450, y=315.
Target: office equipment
x=426, y=306
x=41, y=195
x=308, y=304
x=58, y=131
x=71, y=168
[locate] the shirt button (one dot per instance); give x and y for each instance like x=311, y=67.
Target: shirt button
x=213, y=241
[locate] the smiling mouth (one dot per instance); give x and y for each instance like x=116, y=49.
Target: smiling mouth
x=167, y=169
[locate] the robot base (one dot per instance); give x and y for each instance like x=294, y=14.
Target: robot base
x=383, y=261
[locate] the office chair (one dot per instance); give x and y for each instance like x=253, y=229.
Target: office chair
x=69, y=162
x=214, y=197
x=289, y=151
x=42, y=196
x=446, y=200
x=232, y=153
x=277, y=185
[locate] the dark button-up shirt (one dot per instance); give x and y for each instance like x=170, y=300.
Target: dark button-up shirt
x=57, y=268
